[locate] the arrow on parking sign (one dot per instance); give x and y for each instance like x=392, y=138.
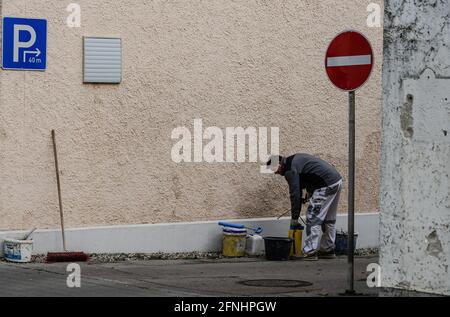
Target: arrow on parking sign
x=37, y=52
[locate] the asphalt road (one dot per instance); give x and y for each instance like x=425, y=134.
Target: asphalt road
x=219, y=277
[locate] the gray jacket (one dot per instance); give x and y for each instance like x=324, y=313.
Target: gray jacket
x=304, y=171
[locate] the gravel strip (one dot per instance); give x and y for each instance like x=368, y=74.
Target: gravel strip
x=121, y=257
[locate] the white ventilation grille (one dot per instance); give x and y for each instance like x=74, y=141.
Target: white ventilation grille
x=102, y=60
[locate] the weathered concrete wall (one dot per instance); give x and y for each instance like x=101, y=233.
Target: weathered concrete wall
x=415, y=181
x=232, y=63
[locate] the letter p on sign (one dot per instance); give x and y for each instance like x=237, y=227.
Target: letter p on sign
x=24, y=44
x=18, y=44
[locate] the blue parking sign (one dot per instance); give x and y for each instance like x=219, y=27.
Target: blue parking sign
x=24, y=43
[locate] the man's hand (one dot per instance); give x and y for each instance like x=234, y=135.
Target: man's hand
x=294, y=223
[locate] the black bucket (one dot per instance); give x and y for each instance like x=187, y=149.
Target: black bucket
x=341, y=243
x=277, y=249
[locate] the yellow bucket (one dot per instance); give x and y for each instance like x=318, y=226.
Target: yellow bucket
x=296, y=235
x=233, y=242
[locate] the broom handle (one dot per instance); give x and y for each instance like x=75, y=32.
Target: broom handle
x=59, y=191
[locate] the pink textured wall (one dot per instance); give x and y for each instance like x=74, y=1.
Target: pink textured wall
x=231, y=63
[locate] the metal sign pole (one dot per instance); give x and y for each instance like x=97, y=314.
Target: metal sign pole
x=348, y=63
x=351, y=194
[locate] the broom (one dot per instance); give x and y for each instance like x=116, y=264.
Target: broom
x=63, y=256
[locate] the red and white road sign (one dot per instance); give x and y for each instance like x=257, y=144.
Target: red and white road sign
x=349, y=60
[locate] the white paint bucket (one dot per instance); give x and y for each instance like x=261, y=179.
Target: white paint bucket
x=17, y=250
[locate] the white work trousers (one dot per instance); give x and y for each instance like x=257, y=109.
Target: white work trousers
x=321, y=219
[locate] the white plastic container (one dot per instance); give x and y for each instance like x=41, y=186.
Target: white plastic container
x=254, y=245
x=18, y=250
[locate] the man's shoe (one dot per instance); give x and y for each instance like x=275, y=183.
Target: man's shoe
x=310, y=256
x=326, y=254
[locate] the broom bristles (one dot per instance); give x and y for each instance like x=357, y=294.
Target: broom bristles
x=66, y=257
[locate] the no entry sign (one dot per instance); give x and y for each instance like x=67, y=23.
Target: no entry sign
x=349, y=60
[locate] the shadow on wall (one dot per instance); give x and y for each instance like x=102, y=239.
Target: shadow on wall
x=367, y=180
x=269, y=198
